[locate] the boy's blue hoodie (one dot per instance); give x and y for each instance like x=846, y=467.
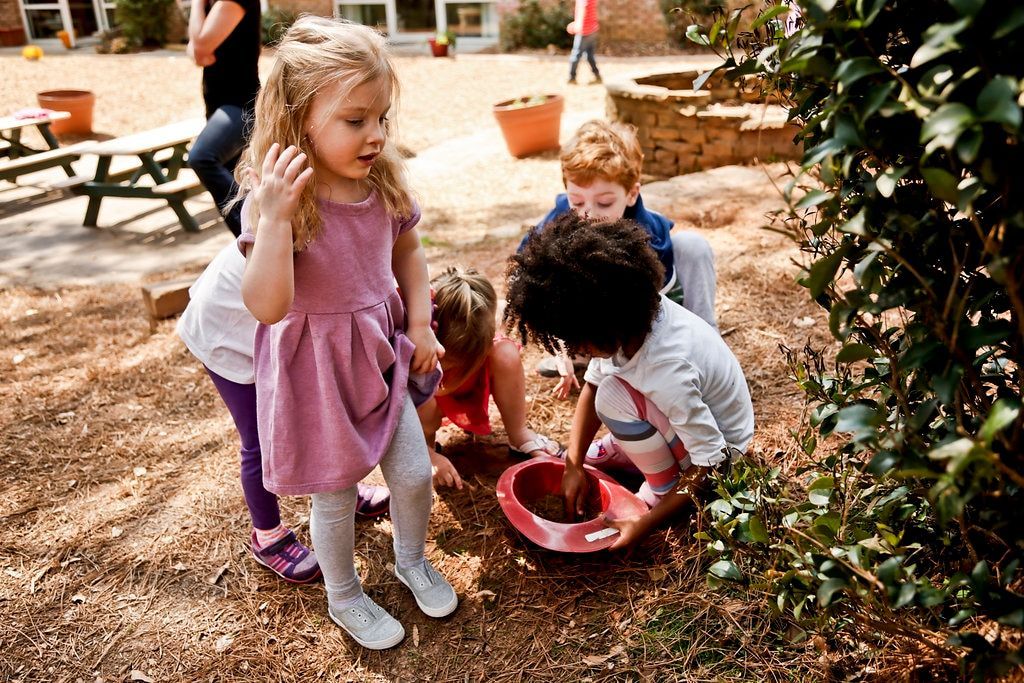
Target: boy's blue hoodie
x=656, y=225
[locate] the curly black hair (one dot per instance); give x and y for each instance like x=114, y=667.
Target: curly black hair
x=584, y=283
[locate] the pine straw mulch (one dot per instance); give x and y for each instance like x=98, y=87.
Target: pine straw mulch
x=125, y=555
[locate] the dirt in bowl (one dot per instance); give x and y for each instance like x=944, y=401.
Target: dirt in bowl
x=552, y=507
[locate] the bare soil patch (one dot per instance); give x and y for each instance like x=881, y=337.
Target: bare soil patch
x=126, y=543
x=125, y=553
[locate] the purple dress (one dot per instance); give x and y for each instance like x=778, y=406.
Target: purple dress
x=331, y=376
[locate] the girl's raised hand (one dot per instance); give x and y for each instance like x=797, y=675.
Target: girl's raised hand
x=428, y=349
x=276, y=190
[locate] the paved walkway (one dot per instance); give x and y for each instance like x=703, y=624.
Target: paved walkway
x=469, y=186
x=43, y=242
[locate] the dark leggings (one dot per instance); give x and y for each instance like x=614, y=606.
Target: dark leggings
x=214, y=155
x=241, y=402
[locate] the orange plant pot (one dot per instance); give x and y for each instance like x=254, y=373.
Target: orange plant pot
x=438, y=49
x=65, y=38
x=530, y=128
x=78, y=103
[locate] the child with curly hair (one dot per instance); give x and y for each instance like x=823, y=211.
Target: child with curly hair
x=478, y=363
x=601, y=167
x=662, y=380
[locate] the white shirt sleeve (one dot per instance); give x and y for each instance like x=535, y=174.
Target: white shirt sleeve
x=679, y=397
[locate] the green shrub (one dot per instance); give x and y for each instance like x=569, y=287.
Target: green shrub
x=144, y=22
x=681, y=14
x=274, y=22
x=536, y=25
x=908, y=521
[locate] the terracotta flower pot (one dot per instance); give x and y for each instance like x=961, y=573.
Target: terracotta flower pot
x=530, y=124
x=65, y=38
x=78, y=103
x=438, y=49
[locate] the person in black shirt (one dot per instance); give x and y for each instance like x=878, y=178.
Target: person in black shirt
x=224, y=39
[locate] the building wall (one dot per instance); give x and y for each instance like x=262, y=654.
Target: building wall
x=324, y=8
x=632, y=22
x=623, y=22
x=10, y=15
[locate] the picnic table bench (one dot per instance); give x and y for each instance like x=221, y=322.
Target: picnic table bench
x=161, y=153
x=23, y=159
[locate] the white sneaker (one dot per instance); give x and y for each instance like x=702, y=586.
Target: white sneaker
x=369, y=624
x=434, y=595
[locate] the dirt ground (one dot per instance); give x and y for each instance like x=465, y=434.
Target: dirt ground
x=125, y=558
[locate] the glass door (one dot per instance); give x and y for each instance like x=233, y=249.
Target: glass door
x=416, y=17
x=43, y=18
x=84, y=17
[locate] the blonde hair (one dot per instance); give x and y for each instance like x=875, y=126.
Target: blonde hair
x=602, y=149
x=466, y=305
x=313, y=54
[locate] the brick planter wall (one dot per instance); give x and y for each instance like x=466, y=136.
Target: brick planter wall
x=683, y=130
x=632, y=22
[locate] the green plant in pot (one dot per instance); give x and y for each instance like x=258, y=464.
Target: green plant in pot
x=442, y=42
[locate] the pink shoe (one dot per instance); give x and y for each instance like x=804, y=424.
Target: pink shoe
x=372, y=500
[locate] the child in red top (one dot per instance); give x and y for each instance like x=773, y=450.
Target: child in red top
x=584, y=28
x=478, y=363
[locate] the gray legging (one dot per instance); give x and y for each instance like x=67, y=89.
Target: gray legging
x=406, y=469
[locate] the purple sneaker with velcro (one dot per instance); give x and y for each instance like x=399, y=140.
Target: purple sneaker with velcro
x=287, y=558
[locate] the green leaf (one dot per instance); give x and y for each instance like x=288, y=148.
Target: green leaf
x=828, y=522
x=767, y=16
x=967, y=7
x=906, y=596
x=954, y=449
x=852, y=70
x=1010, y=23
x=758, y=531
x=946, y=123
x=999, y=418
x=820, y=492
x=887, y=179
x=724, y=569
x=942, y=183
x=813, y=198
x=855, y=226
x=823, y=272
x=828, y=589
x=941, y=38
x=854, y=352
x=858, y=418
x=694, y=34
x=969, y=144
x=1014, y=618
x=997, y=102
x=699, y=82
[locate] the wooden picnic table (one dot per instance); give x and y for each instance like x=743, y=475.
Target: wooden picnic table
x=23, y=159
x=161, y=153
x=11, y=128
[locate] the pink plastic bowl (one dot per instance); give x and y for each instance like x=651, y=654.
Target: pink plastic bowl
x=538, y=477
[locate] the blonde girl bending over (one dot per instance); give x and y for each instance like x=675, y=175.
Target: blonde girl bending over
x=479, y=363
x=328, y=227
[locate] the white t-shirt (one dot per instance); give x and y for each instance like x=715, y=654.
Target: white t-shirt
x=689, y=373
x=217, y=327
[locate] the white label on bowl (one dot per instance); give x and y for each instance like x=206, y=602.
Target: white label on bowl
x=603, y=533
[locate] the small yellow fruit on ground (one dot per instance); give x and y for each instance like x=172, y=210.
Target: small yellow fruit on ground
x=32, y=52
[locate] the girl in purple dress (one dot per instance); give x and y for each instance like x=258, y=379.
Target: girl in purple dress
x=328, y=229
